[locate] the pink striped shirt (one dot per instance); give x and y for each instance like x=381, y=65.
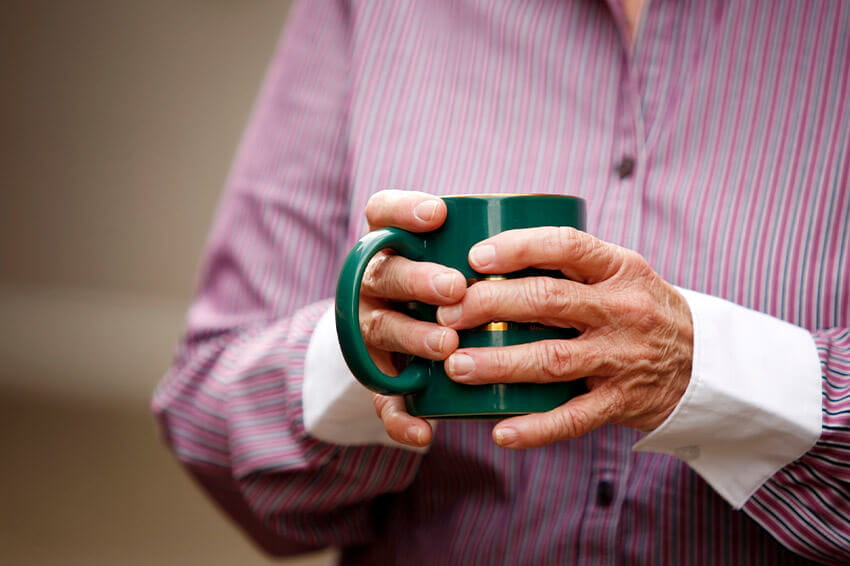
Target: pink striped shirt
x=719, y=149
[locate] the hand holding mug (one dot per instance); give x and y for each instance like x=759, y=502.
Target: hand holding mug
x=366, y=328
x=634, y=351
x=392, y=278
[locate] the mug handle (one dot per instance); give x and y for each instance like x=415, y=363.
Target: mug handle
x=413, y=377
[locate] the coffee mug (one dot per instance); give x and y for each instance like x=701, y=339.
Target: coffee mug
x=427, y=390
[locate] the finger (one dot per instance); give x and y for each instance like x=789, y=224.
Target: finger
x=573, y=419
x=400, y=425
x=544, y=361
x=577, y=254
x=395, y=278
x=409, y=210
x=392, y=331
x=553, y=302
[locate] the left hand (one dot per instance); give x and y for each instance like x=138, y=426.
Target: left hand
x=636, y=342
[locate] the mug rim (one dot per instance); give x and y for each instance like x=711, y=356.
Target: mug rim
x=512, y=195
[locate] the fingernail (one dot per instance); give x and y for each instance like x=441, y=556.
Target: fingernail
x=460, y=365
x=435, y=340
x=505, y=436
x=413, y=435
x=425, y=210
x=450, y=314
x=482, y=255
x=444, y=284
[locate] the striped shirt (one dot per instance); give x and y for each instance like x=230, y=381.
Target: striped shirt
x=719, y=148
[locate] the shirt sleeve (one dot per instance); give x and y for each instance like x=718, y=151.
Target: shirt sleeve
x=230, y=407
x=753, y=402
x=806, y=503
x=336, y=407
x=765, y=422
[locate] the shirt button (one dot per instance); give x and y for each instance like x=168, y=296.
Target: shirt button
x=625, y=167
x=604, y=493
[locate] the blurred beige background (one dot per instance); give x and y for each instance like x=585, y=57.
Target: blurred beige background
x=118, y=121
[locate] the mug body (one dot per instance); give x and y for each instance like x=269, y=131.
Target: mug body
x=471, y=219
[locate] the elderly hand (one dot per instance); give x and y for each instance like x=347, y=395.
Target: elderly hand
x=636, y=341
x=392, y=278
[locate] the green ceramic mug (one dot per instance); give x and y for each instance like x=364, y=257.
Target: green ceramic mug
x=428, y=392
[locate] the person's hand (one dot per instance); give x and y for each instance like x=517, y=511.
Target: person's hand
x=635, y=346
x=392, y=278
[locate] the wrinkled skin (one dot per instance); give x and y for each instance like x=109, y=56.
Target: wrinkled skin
x=635, y=347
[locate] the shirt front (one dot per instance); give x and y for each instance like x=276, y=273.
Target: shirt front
x=717, y=148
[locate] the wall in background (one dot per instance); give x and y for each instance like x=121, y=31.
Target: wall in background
x=118, y=122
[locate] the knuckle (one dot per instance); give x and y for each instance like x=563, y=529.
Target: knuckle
x=599, y=307
x=405, y=280
x=635, y=306
x=556, y=358
x=417, y=280
x=554, y=430
x=484, y=297
x=376, y=272
x=562, y=241
x=609, y=256
x=548, y=297
x=645, y=303
x=379, y=402
x=576, y=422
x=646, y=308
x=566, y=424
x=635, y=262
x=569, y=242
x=412, y=340
x=636, y=303
x=376, y=207
x=641, y=311
x=573, y=241
x=373, y=326
x=631, y=257
x=606, y=361
x=391, y=276
x=500, y=365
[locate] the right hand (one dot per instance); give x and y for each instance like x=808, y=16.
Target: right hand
x=392, y=278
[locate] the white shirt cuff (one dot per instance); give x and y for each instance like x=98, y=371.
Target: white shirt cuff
x=753, y=404
x=337, y=408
